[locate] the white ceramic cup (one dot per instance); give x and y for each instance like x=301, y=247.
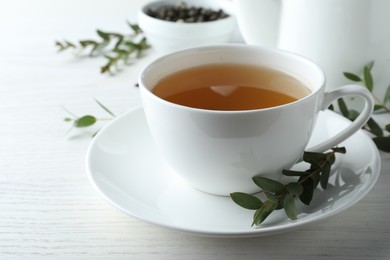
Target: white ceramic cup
x=220, y=151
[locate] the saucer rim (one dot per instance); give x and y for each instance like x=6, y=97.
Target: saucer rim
x=255, y=232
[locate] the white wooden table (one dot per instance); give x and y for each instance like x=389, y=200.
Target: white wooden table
x=47, y=206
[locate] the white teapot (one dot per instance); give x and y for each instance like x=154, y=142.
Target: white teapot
x=340, y=35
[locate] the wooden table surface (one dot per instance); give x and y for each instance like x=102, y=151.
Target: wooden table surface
x=47, y=206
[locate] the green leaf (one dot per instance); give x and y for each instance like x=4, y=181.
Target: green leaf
x=135, y=27
x=369, y=82
x=271, y=196
x=294, y=188
x=352, y=77
x=131, y=45
x=313, y=157
x=67, y=119
x=119, y=42
x=378, y=107
x=64, y=45
x=278, y=199
x=105, y=36
x=352, y=114
x=268, y=184
x=316, y=179
x=59, y=44
x=324, y=179
x=85, y=121
x=293, y=173
x=343, y=107
x=386, y=98
x=331, y=158
x=374, y=127
x=383, y=143
x=289, y=207
x=143, y=44
x=308, y=190
x=86, y=43
x=262, y=213
x=246, y=200
x=387, y=127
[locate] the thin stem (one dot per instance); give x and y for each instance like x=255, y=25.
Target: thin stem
x=318, y=170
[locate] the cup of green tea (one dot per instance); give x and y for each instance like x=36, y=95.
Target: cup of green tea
x=220, y=115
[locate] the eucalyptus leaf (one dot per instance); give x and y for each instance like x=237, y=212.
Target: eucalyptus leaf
x=289, y=207
x=316, y=177
x=313, y=157
x=85, y=121
x=143, y=43
x=352, y=114
x=387, y=127
x=308, y=190
x=262, y=213
x=378, y=107
x=276, y=198
x=65, y=45
x=293, y=173
x=343, y=107
x=369, y=82
x=119, y=42
x=268, y=184
x=99, y=47
x=352, y=76
x=246, y=200
x=324, y=179
x=294, y=188
x=271, y=196
x=375, y=127
x=130, y=45
x=383, y=143
x=386, y=97
x=134, y=27
x=86, y=43
x=103, y=35
x=330, y=158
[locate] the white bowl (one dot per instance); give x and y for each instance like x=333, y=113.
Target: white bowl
x=166, y=37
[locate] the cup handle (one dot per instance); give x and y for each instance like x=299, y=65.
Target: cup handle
x=358, y=123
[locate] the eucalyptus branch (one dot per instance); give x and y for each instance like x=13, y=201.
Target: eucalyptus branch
x=115, y=47
x=381, y=135
x=282, y=196
x=86, y=120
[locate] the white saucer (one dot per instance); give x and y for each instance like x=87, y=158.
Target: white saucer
x=123, y=165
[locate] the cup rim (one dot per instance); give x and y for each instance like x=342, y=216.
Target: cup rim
x=232, y=46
